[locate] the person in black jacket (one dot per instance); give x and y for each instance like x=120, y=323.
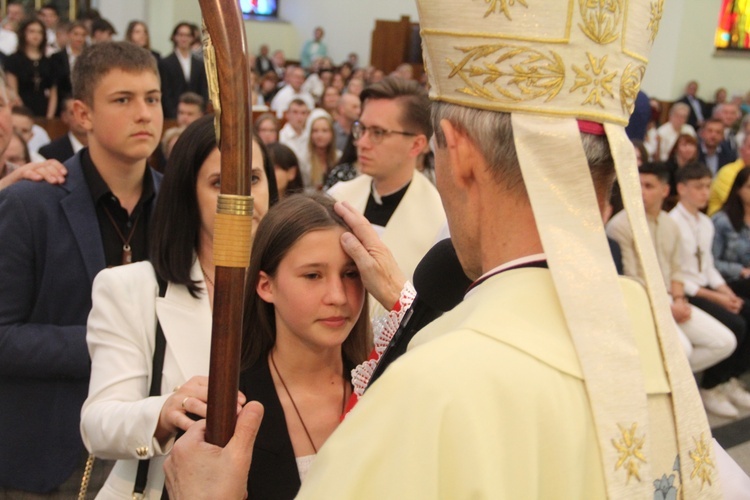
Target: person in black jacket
x=699, y=111
x=65, y=146
x=181, y=71
x=63, y=61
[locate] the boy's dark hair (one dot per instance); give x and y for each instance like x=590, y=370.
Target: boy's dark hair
x=50, y=6
x=22, y=111
x=193, y=98
x=90, y=14
x=691, y=172
x=658, y=169
x=102, y=24
x=298, y=102
x=99, y=59
x=413, y=100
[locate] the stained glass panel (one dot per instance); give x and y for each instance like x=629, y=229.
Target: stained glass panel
x=733, y=31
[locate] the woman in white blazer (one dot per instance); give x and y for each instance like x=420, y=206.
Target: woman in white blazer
x=119, y=420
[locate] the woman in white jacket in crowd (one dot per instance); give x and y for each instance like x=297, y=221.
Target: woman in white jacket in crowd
x=119, y=420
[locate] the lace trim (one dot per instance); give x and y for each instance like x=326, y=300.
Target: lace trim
x=383, y=329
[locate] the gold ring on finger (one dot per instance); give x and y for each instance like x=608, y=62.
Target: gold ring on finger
x=183, y=402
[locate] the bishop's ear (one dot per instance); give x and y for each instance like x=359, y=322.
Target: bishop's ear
x=462, y=153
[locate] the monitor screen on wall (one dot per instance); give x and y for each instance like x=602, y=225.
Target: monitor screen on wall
x=259, y=8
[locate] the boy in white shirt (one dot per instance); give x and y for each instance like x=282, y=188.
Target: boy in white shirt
x=706, y=289
x=705, y=340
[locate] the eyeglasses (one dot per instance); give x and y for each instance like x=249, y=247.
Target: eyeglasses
x=377, y=134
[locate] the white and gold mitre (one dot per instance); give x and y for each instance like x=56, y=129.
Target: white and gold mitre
x=557, y=66
x=580, y=58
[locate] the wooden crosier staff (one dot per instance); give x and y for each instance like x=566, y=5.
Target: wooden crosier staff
x=225, y=51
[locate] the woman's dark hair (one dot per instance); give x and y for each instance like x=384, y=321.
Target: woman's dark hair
x=734, y=207
x=349, y=154
x=282, y=156
x=349, y=68
x=132, y=26
x=280, y=229
x=680, y=139
x=22, y=34
x=176, y=221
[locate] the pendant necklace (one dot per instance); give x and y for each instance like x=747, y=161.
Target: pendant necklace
x=127, y=253
x=294, y=405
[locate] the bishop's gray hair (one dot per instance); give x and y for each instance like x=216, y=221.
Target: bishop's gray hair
x=492, y=133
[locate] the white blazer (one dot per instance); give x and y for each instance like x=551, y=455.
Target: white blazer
x=118, y=418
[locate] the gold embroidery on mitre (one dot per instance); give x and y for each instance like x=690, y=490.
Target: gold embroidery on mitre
x=630, y=449
x=594, y=79
x=630, y=83
x=702, y=464
x=657, y=10
x=503, y=6
x=601, y=19
x=531, y=72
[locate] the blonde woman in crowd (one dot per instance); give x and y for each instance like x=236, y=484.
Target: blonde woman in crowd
x=321, y=154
